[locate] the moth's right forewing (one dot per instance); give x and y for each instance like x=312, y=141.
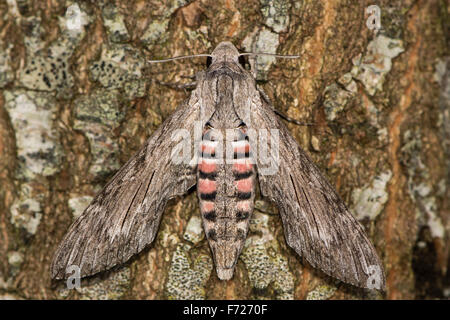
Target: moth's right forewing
x=124, y=217
x=317, y=224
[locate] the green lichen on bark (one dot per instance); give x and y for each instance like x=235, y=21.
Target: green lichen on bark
x=97, y=115
x=187, y=279
x=267, y=268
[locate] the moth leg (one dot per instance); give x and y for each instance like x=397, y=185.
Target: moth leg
x=285, y=117
x=266, y=207
x=192, y=77
x=333, y=126
x=178, y=86
x=289, y=119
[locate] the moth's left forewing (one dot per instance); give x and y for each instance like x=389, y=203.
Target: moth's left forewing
x=124, y=216
x=317, y=223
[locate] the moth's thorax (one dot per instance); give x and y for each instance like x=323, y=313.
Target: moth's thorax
x=226, y=190
x=224, y=116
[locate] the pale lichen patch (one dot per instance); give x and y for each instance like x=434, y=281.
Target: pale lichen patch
x=39, y=151
x=434, y=222
x=113, y=287
x=13, y=9
x=372, y=68
x=156, y=31
x=187, y=280
x=97, y=115
x=420, y=188
x=265, y=41
x=336, y=99
x=321, y=293
x=315, y=143
x=15, y=258
x=78, y=204
x=6, y=72
x=32, y=116
x=276, y=14
x=26, y=213
x=369, y=201
x=120, y=66
x=114, y=23
x=47, y=68
x=74, y=20
x=265, y=264
x=348, y=82
x=194, y=231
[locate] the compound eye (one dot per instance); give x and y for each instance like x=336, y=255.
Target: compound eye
x=208, y=61
x=242, y=61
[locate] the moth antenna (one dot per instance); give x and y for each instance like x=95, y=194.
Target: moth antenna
x=180, y=57
x=270, y=54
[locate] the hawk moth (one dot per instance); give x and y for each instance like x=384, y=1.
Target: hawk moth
x=124, y=217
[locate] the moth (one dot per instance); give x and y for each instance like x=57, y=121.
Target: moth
x=233, y=121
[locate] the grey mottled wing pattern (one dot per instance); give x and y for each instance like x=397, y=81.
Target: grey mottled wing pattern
x=124, y=217
x=317, y=224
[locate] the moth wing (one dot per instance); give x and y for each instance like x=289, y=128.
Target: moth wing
x=317, y=223
x=124, y=217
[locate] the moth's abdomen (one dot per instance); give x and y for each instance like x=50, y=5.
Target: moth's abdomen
x=226, y=191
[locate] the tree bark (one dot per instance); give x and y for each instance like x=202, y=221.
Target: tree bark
x=77, y=100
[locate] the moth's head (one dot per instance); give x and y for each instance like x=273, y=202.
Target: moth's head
x=225, y=52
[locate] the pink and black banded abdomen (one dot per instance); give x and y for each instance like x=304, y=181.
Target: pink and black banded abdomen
x=226, y=191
